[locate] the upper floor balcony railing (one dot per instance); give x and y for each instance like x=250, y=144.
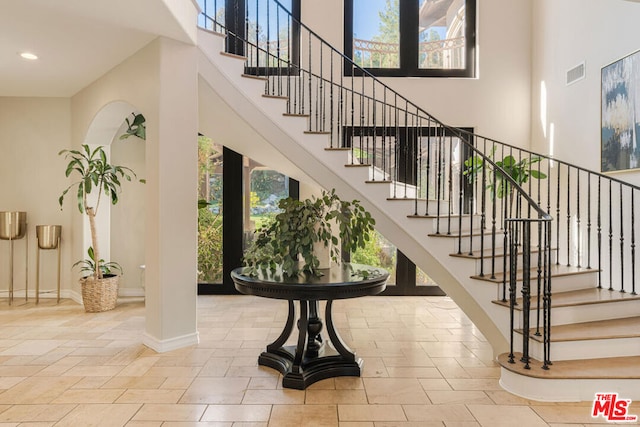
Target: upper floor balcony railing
x=441, y=54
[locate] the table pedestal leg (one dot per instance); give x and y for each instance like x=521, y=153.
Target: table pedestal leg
x=312, y=359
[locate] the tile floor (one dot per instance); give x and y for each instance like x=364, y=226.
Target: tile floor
x=425, y=364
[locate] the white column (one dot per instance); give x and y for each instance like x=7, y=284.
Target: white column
x=171, y=233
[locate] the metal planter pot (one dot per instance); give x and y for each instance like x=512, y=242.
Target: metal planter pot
x=48, y=236
x=13, y=225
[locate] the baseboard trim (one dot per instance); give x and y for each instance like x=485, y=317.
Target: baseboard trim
x=162, y=346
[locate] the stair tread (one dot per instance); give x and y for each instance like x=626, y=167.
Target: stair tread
x=581, y=297
x=251, y=76
x=455, y=234
x=442, y=217
x=412, y=199
x=603, y=368
x=487, y=253
x=556, y=271
x=628, y=327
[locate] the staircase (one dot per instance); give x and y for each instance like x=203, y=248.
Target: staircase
x=546, y=272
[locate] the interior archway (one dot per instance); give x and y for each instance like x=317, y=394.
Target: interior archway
x=121, y=227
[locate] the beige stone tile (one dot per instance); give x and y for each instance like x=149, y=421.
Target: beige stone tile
x=8, y=382
x=150, y=396
x=98, y=415
x=134, y=382
x=237, y=413
x=304, y=415
x=358, y=424
x=413, y=372
x=94, y=396
x=431, y=384
x=218, y=391
x=410, y=424
x=483, y=372
x=138, y=367
x=452, y=372
x=266, y=383
x=169, y=412
x=266, y=397
x=143, y=424
x=32, y=348
x=475, y=384
x=93, y=371
x=35, y=413
x=198, y=424
x=442, y=413
x=35, y=424
x=315, y=397
x=371, y=413
x=373, y=367
x=36, y=390
x=570, y=413
x=181, y=383
x=501, y=397
x=462, y=424
x=348, y=383
x=218, y=366
x=170, y=371
x=19, y=371
x=251, y=371
x=394, y=390
x=499, y=415
x=91, y=382
x=445, y=397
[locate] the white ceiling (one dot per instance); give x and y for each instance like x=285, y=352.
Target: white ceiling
x=77, y=41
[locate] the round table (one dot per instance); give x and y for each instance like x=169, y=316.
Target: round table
x=313, y=358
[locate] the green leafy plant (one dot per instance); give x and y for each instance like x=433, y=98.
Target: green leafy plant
x=519, y=170
x=89, y=265
x=135, y=127
x=94, y=173
x=287, y=242
x=209, y=245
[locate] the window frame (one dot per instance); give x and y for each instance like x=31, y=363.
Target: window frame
x=408, y=49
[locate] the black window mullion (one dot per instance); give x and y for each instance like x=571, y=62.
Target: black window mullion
x=409, y=19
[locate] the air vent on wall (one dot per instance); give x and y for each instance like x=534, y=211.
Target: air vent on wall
x=576, y=73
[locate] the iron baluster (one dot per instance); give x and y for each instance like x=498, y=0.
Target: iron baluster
x=621, y=244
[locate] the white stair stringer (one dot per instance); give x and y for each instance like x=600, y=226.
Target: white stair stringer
x=223, y=74
x=235, y=113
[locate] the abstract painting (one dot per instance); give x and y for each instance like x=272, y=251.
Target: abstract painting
x=620, y=123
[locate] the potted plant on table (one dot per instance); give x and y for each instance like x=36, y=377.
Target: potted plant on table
x=294, y=240
x=95, y=174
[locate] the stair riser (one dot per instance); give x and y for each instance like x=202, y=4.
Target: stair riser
x=409, y=207
x=583, y=349
x=568, y=390
x=587, y=313
x=499, y=262
x=467, y=244
x=444, y=224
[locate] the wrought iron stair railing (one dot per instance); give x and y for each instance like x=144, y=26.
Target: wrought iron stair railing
x=425, y=160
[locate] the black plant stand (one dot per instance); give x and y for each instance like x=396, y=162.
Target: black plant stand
x=312, y=358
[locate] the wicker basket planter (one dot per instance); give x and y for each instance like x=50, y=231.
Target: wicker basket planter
x=101, y=294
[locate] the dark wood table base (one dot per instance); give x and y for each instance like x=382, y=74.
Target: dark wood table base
x=312, y=359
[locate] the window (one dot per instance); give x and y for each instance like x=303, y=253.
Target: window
x=429, y=38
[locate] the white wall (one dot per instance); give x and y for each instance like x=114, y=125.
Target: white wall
x=128, y=216
x=565, y=33
x=32, y=132
x=497, y=103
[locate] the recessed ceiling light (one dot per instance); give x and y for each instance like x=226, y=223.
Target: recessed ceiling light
x=29, y=55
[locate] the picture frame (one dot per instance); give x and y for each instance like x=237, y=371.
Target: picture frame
x=620, y=114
